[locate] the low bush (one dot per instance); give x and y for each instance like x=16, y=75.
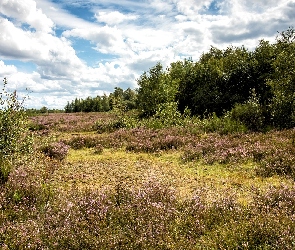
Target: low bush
x=56, y=150
x=249, y=113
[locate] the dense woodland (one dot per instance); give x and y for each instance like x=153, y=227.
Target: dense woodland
x=259, y=82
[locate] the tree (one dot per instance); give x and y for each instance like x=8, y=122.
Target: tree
x=155, y=87
x=15, y=139
x=282, y=82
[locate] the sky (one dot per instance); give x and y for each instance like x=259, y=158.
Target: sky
x=54, y=51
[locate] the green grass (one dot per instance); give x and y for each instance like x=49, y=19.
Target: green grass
x=86, y=169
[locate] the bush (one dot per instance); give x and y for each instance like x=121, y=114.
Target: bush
x=56, y=150
x=221, y=125
x=109, y=126
x=250, y=114
x=15, y=139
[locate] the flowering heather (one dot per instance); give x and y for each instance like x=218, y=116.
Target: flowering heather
x=274, y=152
x=151, y=217
x=127, y=200
x=67, y=122
x=56, y=150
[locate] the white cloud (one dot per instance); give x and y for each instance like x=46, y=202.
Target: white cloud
x=133, y=35
x=113, y=17
x=6, y=70
x=27, y=12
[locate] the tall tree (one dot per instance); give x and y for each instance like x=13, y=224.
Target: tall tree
x=155, y=87
x=283, y=80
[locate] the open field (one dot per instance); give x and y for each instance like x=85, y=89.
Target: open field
x=172, y=188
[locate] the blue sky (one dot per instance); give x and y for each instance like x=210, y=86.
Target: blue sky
x=63, y=49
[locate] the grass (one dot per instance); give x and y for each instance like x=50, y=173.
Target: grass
x=151, y=189
x=86, y=169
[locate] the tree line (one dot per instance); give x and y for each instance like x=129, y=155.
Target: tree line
x=221, y=81
x=119, y=98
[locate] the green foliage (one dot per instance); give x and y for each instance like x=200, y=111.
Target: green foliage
x=219, y=82
x=15, y=139
x=118, y=99
x=221, y=125
x=250, y=114
x=156, y=87
x=282, y=82
x=167, y=115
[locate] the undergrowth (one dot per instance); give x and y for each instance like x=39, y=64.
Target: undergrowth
x=39, y=211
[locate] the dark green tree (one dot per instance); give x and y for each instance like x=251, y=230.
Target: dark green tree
x=282, y=82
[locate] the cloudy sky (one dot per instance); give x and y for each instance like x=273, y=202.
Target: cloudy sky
x=63, y=49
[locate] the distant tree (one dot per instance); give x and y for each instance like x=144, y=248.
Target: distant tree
x=69, y=107
x=105, y=103
x=129, y=97
x=43, y=110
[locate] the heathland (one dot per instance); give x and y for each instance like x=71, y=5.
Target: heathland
x=90, y=185
x=200, y=156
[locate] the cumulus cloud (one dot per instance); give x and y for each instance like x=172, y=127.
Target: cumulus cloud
x=27, y=12
x=7, y=70
x=127, y=36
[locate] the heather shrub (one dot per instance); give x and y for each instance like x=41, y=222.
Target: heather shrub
x=254, y=231
x=78, y=142
x=122, y=218
x=15, y=139
x=27, y=183
x=219, y=148
x=265, y=223
x=56, y=150
x=152, y=140
x=23, y=200
x=276, y=198
x=278, y=161
x=33, y=126
x=98, y=149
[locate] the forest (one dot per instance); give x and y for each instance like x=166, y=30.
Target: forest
x=245, y=83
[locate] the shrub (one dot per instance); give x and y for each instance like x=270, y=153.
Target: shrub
x=56, y=150
x=279, y=161
x=15, y=139
x=221, y=125
x=98, y=149
x=250, y=114
x=102, y=126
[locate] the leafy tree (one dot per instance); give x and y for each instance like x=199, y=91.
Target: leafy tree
x=130, y=97
x=15, y=139
x=155, y=87
x=223, y=78
x=105, y=103
x=282, y=82
x=43, y=110
x=199, y=87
